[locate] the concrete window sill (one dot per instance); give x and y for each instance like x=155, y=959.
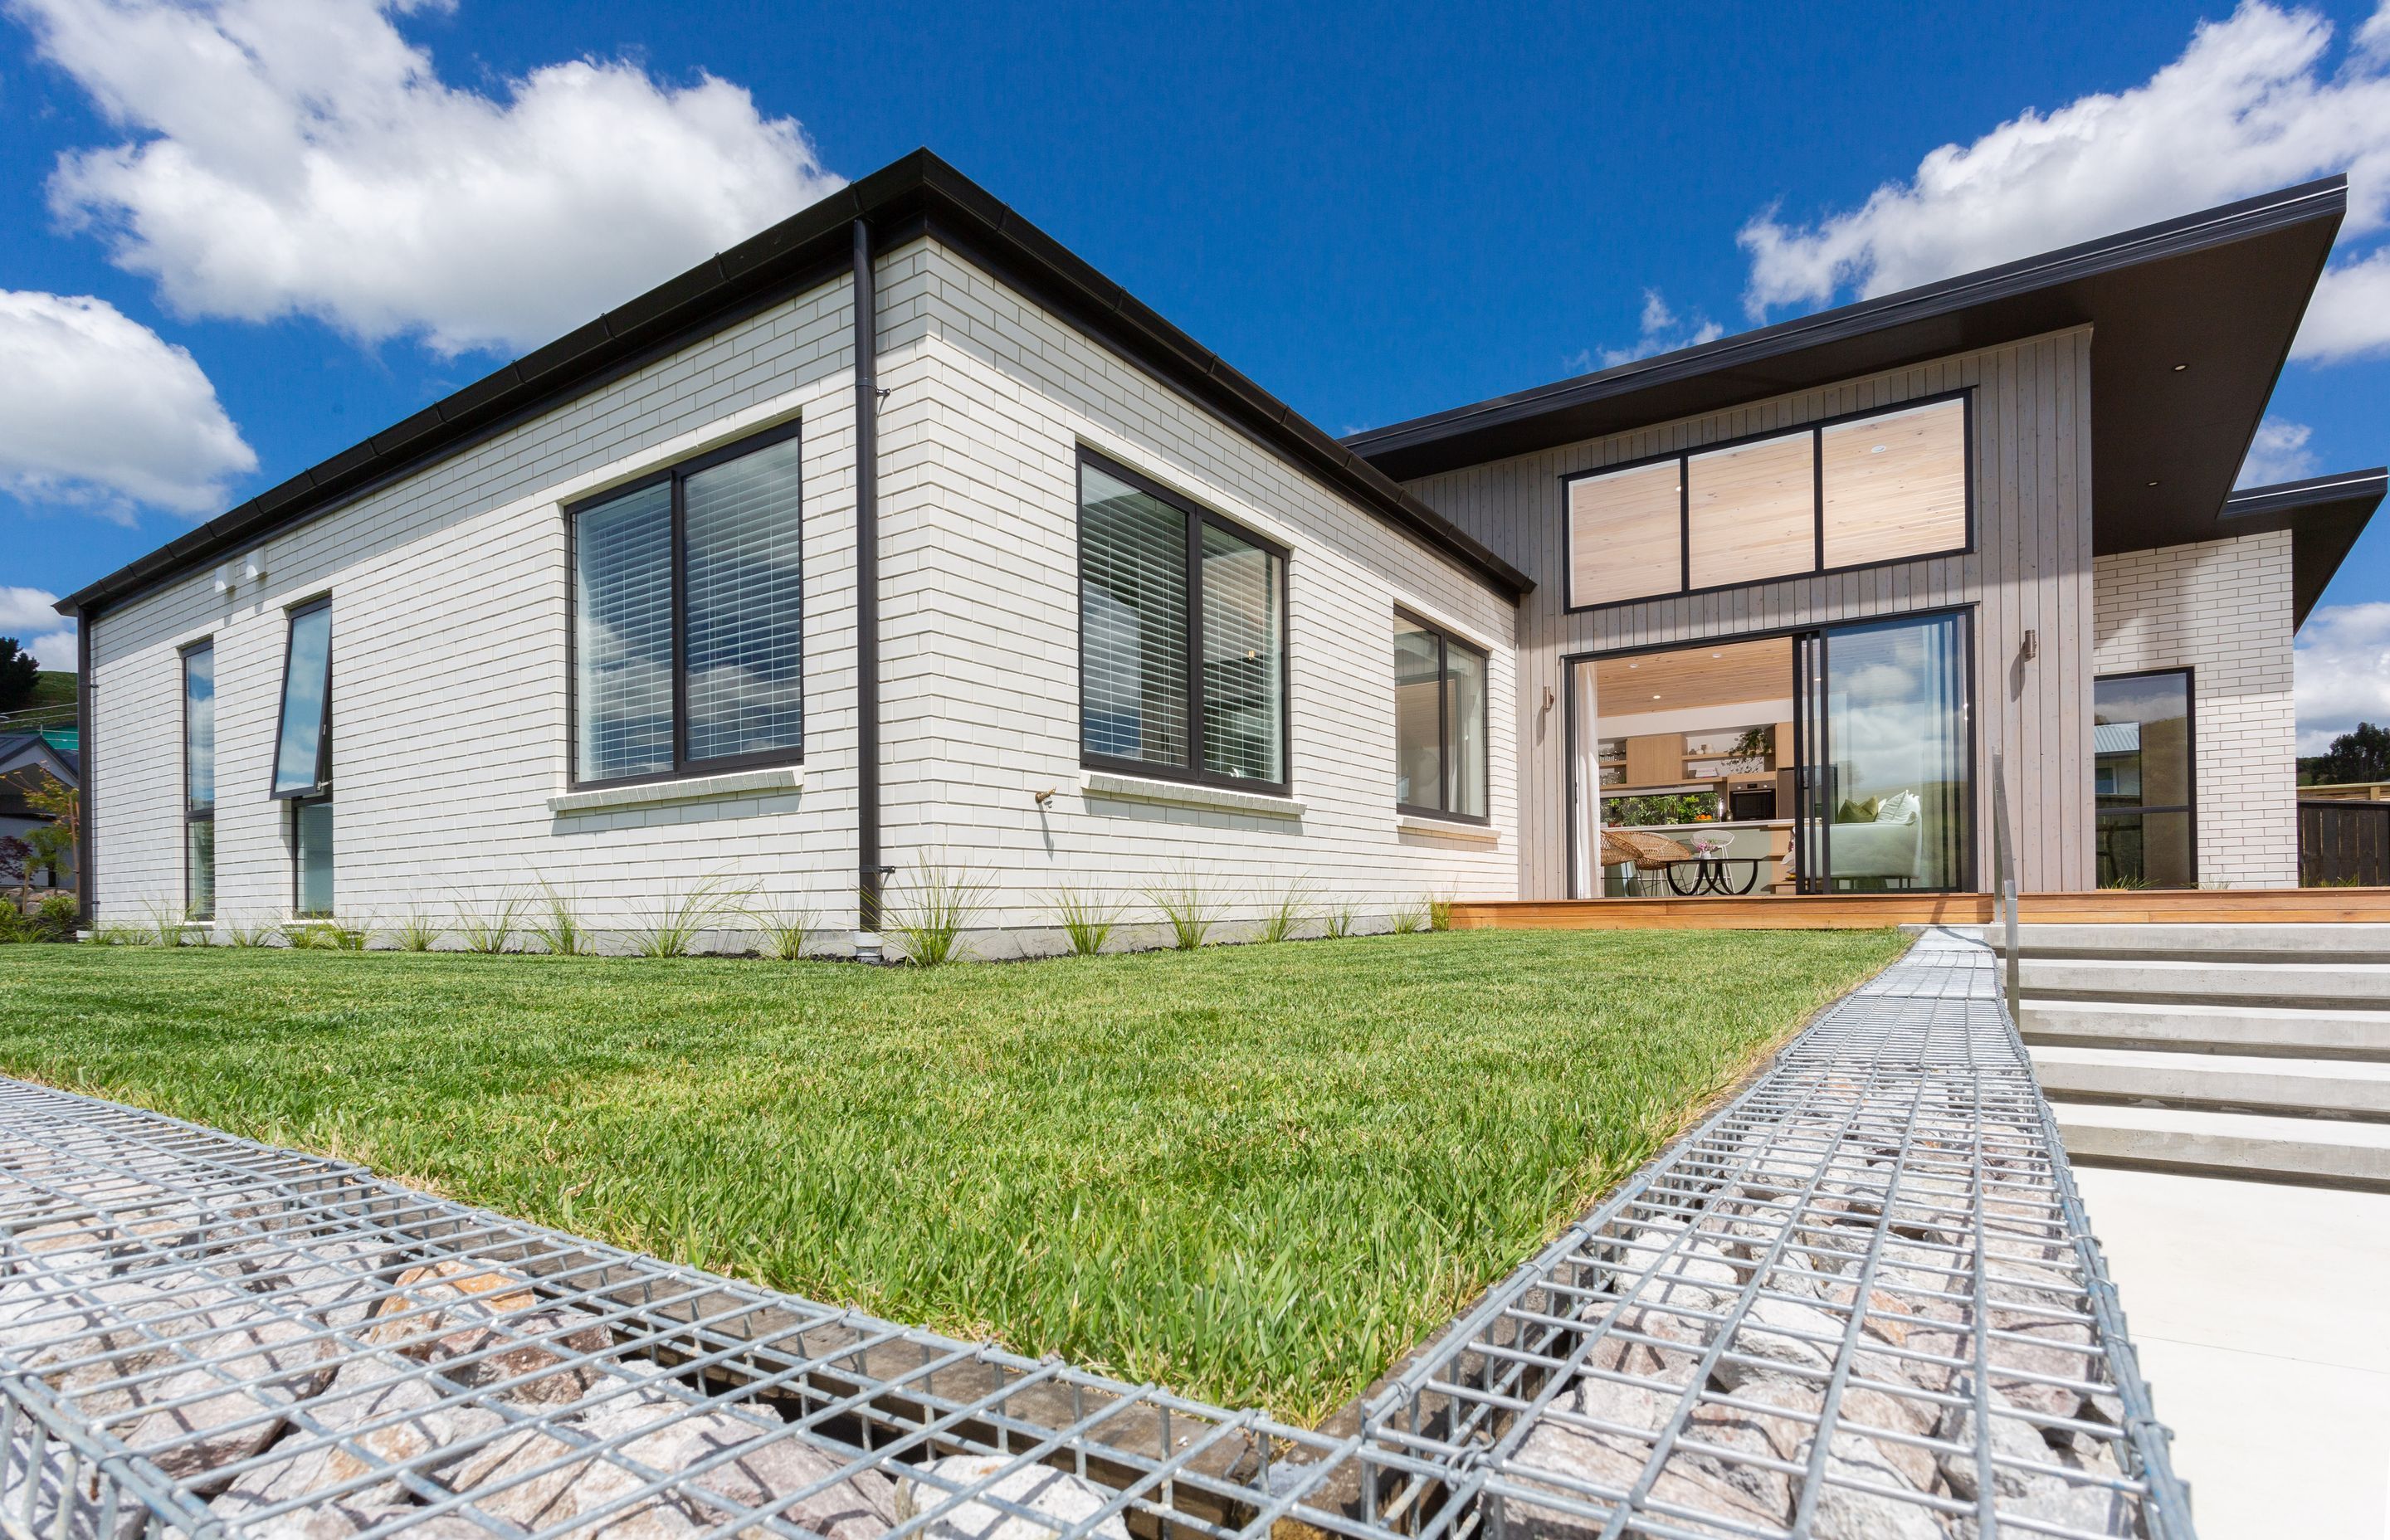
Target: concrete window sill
x=738, y=783
x=1105, y=783
x=1443, y=829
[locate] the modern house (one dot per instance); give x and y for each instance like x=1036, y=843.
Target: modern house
x=899, y=541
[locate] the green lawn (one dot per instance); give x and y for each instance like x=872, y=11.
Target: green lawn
x=1254, y=1174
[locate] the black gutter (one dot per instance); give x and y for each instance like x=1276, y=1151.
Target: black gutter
x=918, y=193
x=86, y=826
x=867, y=585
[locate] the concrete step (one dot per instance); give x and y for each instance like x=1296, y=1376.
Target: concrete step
x=2334, y=983
x=2276, y=1031
x=2221, y=1083
x=2227, y=1144
x=2292, y=942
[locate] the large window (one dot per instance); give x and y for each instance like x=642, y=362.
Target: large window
x=688, y=602
x=1887, y=485
x=199, y=781
x=2142, y=780
x=302, y=755
x=1182, y=644
x=1440, y=733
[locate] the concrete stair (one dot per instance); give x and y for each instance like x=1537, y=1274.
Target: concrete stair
x=2254, y=1051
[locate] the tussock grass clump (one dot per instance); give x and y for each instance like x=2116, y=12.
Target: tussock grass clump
x=418, y=932
x=1408, y=921
x=490, y=928
x=931, y=917
x=1087, y=922
x=1188, y=911
x=1291, y=914
x=674, y=928
x=784, y=931
x=1343, y=920
x=249, y=933
x=556, y=923
x=1439, y=913
x=1256, y=1175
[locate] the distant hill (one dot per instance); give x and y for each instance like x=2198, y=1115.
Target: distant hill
x=54, y=686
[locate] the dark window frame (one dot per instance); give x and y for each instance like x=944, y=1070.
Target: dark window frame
x=2189, y=809
x=298, y=909
x=683, y=768
x=207, y=645
x=1198, y=517
x=1445, y=641
x=322, y=787
x=1965, y=393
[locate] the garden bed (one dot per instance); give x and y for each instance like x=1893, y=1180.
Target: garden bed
x=1256, y=1175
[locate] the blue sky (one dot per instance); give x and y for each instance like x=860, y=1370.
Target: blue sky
x=1377, y=214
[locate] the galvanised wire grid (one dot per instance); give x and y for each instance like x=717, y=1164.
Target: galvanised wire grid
x=1794, y=1323
x=1863, y=1300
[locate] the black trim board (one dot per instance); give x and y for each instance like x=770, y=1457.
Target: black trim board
x=920, y=193
x=2220, y=292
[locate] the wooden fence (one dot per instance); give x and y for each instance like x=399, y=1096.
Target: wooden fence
x=2343, y=842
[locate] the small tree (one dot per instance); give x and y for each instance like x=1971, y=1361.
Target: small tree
x=53, y=843
x=16, y=862
x=19, y=673
x=2362, y=754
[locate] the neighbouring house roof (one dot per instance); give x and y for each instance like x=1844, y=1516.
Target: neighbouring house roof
x=24, y=757
x=918, y=194
x=2324, y=514
x=2116, y=737
x=2221, y=291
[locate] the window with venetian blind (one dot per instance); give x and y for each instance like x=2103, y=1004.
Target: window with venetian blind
x=1882, y=486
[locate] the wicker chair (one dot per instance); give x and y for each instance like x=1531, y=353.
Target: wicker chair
x=1650, y=854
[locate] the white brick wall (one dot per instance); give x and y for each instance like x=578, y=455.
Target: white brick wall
x=449, y=615
x=2221, y=609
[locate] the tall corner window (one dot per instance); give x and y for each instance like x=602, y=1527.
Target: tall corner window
x=1182, y=638
x=1890, y=484
x=688, y=606
x=302, y=755
x=1439, y=723
x=199, y=781
x=2142, y=780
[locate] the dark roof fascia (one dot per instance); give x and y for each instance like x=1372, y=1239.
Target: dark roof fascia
x=2324, y=514
x=918, y=192
x=1442, y=440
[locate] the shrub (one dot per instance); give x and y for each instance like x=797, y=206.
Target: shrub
x=55, y=918
x=558, y=925
x=1087, y=922
x=490, y=929
x=784, y=931
x=15, y=926
x=1189, y=910
x=1292, y=911
x=936, y=913
x=674, y=928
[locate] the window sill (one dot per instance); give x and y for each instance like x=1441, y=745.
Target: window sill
x=1447, y=828
x=1108, y=783
x=787, y=777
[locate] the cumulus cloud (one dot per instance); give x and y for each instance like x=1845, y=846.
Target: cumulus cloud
x=2343, y=672
x=302, y=157
x=27, y=614
x=1660, y=332
x=2254, y=102
x=2278, y=452
x=100, y=412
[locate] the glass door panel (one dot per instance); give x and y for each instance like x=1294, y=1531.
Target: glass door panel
x=1886, y=794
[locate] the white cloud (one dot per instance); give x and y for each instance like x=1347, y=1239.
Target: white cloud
x=2278, y=452
x=1660, y=332
x=100, y=412
x=26, y=614
x=2343, y=672
x=302, y=157
x=2251, y=105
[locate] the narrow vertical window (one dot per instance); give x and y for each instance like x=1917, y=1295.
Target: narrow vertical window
x=1182, y=638
x=2142, y=780
x=199, y=781
x=688, y=605
x=302, y=755
x=1439, y=723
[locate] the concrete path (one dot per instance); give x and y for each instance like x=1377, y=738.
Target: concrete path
x=2262, y=1316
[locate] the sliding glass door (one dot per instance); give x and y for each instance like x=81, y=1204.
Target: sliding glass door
x=1883, y=776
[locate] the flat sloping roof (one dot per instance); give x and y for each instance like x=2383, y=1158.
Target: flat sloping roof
x=916, y=195
x=2324, y=514
x=2220, y=293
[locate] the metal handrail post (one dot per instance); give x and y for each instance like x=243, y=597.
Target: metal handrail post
x=2004, y=870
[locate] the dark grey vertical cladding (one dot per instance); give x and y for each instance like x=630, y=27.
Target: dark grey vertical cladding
x=86, y=836
x=871, y=873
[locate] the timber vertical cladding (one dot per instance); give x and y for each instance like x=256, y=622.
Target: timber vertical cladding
x=2027, y=570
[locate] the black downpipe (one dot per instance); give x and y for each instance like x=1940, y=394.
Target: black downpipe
x=86, y=834
x=866, y=587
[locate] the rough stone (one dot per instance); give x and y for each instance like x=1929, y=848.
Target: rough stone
x=364, y=1391
x=475, y=1322
x=1058, y=1494
x=1779, y=1333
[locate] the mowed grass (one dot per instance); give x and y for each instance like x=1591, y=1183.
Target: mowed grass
x=1254, y=1174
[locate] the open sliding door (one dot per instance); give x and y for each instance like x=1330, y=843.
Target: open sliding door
x=1885, y=746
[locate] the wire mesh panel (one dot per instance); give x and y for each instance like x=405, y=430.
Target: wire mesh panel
x=1859, y=1302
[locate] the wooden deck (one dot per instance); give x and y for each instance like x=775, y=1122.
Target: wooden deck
x=1866, y=911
